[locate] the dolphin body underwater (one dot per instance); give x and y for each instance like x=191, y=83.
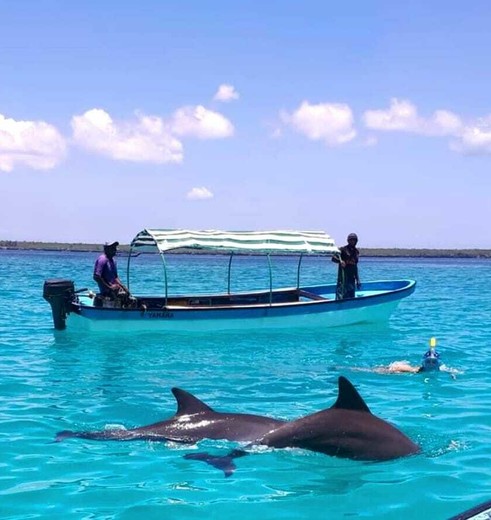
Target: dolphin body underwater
x=347, y=429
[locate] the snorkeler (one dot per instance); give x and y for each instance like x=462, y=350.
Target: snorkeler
x=430, y=363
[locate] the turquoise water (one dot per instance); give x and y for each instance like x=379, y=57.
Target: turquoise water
x=52, y=380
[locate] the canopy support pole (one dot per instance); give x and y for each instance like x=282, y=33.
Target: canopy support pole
x=229, y=268
x=162, y=256
x=270, y=281
x=128, y=270
x=298, y=271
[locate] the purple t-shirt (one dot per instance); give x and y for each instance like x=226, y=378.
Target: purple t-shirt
x=105, y=268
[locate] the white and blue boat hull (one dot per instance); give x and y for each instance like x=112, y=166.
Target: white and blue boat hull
x=315, y=306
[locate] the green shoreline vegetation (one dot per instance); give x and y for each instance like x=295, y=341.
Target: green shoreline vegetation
x=366, y=252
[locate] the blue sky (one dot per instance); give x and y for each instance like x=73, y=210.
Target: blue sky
x=373, y=117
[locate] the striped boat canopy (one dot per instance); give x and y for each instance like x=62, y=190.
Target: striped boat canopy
x=306, y=242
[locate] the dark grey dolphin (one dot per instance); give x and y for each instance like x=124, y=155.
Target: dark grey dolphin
x=348, y=429
x=193, y=421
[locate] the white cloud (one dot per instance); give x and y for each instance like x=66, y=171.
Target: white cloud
x=444, y=122
x=475, y=139
x=467, y=138
x=36, y=144
x=199, y=193
x=328, y=122
x=226, y=93
x=197, y=121
x=402, y=115
x=146, y=139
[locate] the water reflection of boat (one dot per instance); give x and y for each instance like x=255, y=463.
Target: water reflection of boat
x=287, y=307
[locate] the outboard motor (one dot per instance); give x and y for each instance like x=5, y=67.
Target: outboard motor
x=59, y=294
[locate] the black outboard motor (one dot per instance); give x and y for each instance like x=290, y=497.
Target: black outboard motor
x=59, y=294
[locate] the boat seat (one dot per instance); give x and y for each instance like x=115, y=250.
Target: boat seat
x=311, y=296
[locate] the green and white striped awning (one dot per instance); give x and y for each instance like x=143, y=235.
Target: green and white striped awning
x=306, y=242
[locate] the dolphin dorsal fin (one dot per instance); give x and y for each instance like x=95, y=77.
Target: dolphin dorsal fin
x=349, y=398
x=187, y=404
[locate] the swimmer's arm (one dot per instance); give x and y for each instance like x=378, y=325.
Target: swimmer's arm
x=402, y=367
x=451, y=371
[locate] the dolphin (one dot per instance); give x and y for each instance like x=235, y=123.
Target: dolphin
x=347, y=429
x=193, y=422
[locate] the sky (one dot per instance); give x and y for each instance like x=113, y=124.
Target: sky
x=371, y=117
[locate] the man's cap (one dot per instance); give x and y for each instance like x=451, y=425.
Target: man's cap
x=352, y=236
x=111, y=244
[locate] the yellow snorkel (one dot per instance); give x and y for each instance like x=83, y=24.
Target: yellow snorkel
x=431, y=358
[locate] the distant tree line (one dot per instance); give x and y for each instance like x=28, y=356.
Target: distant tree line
x=48, y=246
x=367, y=252
x=427, y=253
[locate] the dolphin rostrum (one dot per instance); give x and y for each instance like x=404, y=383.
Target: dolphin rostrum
x=347, y=429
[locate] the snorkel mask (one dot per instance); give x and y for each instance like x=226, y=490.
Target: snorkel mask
x=431, y=358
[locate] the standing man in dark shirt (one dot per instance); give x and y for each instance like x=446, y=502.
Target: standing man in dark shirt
x=348, y=279
x=106, y=272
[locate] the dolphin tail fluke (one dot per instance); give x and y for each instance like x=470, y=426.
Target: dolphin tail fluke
x=224, y=462
x=105, y=435
x=68, y=434
x=65, y=434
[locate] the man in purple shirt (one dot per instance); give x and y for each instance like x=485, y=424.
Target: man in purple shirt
x=106, y=272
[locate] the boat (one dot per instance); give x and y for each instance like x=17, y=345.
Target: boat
x=271, y=308
x=480, y=512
